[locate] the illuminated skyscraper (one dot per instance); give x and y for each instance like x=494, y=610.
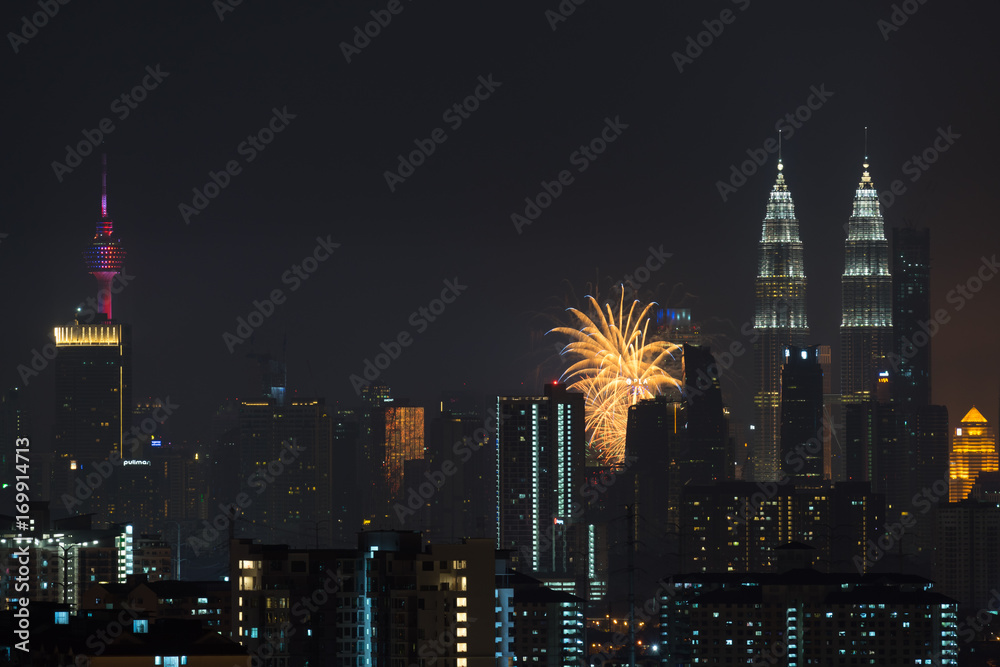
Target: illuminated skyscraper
x=866, y=296
x=973, y=451
x=779, y=319
x=93, y=378
x=540, y=461
x=866, y=327
x=402, y=438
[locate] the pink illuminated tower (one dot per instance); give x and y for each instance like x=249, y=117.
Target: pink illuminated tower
x=105, y=256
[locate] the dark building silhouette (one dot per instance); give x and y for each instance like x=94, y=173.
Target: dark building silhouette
x=461, y=468
x=933, y=444
x=345, y=514
x=911, y=288
x=13, y=425
x=736, y=526
x=652, y=483
x=286, y=468
x=707, y=454
x=802, y=432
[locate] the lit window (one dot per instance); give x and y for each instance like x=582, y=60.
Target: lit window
x=463, y=648
x=461, y=602
x=461, y=617
x=462, y=632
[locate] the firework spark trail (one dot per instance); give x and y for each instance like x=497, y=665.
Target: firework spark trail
x=616, y=367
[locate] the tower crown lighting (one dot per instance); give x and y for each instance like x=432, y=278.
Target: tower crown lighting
x=105, y=256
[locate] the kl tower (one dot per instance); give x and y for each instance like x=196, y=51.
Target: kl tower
x=105, y=256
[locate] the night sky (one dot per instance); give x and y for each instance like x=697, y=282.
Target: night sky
x=323, y=176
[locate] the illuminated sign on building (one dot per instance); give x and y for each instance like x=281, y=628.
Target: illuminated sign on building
x=156, y=443
x=136, y=463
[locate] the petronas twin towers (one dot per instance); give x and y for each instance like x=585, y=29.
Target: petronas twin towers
x=780, y=310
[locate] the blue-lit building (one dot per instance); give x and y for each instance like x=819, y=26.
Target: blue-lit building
x=540, y=469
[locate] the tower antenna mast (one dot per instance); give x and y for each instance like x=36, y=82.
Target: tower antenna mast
x=104, y=186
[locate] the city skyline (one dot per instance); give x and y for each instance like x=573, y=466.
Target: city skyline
x=662, y=184
x=403, y=321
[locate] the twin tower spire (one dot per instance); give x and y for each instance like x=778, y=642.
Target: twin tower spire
x=780, y=319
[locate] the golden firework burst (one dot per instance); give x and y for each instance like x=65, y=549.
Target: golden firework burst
x=614, y=367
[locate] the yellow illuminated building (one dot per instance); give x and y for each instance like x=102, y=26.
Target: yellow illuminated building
x=404, y=441
x=973, y=451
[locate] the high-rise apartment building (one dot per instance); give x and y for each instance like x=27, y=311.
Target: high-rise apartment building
x=540, y=466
